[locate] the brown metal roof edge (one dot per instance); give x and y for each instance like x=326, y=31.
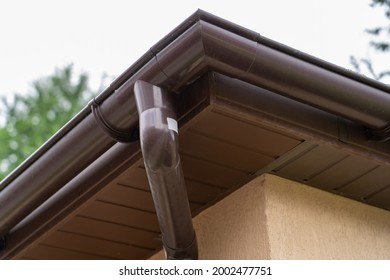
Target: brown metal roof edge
x=164, y=42
x=197, y=48
x=255, y=36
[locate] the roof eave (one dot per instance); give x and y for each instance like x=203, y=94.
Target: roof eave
x=202, y=43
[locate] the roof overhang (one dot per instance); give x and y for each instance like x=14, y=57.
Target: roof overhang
x=214, y=68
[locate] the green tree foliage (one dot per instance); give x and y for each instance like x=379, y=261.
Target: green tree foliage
x=379, y=42
x=28, y=120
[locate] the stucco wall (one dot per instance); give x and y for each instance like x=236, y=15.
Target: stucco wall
x=274, y=218
x=307, y=223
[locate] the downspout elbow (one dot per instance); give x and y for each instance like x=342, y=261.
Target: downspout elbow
x=159, y=144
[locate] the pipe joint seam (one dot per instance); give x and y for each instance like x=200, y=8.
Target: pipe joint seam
x=3, y=242
x=116, y=134
x=188, y=253
x=378, y=135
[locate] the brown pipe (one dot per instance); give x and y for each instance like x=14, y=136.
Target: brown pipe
x=160, y=150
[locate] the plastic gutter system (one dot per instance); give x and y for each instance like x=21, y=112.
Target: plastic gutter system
x=160, y=150
x=202, y=43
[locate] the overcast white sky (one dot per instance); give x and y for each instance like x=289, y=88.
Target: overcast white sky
x=108, y=36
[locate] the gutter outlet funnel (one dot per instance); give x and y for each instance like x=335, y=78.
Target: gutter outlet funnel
x=159, y=145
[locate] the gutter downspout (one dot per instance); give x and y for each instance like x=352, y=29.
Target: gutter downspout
x=159, y=145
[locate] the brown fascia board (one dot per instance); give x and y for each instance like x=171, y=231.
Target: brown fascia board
x=202, y=43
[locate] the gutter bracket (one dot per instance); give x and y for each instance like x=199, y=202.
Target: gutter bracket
x=342, y=130
x=3, y=242
x=116, y=134
x=378, y=135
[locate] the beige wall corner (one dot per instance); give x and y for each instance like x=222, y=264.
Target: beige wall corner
x=234, y=228
x=307, y=223
x=275, y=218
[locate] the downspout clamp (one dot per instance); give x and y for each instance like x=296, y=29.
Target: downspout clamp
x=159, y=145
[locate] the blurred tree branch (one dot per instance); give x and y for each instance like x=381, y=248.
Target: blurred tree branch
x=28, y=120
x=379, y=42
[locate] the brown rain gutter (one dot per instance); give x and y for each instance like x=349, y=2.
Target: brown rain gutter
x=202, y=43
x=160, y=150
